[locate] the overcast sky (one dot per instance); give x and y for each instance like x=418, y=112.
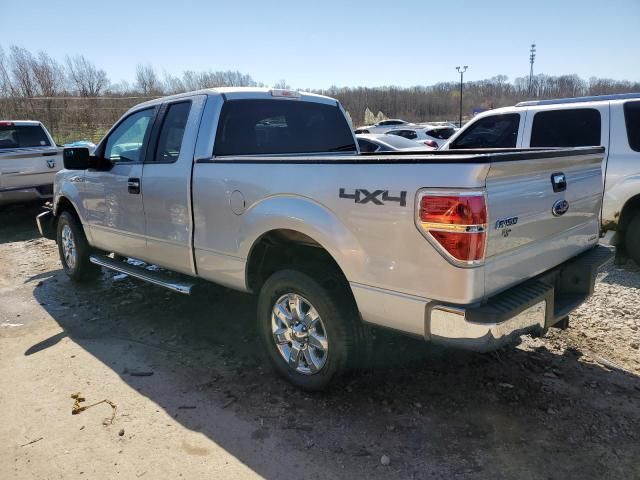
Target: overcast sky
x=318, y=44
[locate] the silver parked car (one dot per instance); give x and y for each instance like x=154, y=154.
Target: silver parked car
x=371, y=142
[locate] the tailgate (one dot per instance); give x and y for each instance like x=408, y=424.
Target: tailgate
x=28, y=167
x=543, y=210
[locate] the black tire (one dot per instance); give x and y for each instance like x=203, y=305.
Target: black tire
x=336, y=308
x=632, y=239
x=82, y=269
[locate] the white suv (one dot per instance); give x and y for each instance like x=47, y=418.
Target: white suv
x=612, y=121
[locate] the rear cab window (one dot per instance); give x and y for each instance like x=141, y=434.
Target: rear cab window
x=576, y=127
x=272, y=127
x=632, y=122
x=494, y=131
x=22, y=136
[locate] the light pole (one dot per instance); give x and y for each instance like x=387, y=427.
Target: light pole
x=461, y=72
x=532, y=58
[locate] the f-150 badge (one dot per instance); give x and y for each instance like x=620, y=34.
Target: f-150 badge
x=377, y=197
x=506, y=222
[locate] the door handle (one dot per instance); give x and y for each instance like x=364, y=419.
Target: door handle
x=133, y=185
x=559, y=182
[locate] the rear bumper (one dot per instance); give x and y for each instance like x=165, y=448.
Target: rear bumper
x=46, y=225
x=530, y=307
x=25, y=194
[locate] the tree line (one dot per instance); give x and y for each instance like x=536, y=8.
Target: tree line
x=76, y=99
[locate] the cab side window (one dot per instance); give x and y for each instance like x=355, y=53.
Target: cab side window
x=495, y=131
x=172, y=132
x=632, y=121
x=579, y=127
x=126, y=142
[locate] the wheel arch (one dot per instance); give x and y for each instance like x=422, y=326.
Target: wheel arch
x=63, y=204
x=282, y=248
x=630, y=209
x=303, y=226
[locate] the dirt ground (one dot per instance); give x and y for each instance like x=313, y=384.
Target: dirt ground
x=195, y=397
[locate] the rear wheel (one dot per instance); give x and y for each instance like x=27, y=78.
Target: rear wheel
x=74, y=249
x=632, y=239
x=309, y=328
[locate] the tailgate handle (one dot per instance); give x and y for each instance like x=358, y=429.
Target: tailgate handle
x=559, y=182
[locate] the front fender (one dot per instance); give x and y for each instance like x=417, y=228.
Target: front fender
x=306, y=216
x=66, y=186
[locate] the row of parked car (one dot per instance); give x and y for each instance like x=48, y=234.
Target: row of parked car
x=431, y=134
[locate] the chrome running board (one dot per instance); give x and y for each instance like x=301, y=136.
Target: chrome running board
x=141, y=273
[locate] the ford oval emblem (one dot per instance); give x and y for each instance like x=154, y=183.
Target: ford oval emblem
x=560, y=208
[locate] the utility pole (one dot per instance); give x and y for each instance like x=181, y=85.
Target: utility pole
x=461, y=72
x=532, y=58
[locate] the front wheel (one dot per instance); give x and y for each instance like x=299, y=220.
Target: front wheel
x=74, y=249
x=309, y=328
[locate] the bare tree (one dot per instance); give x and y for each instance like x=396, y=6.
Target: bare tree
x=87, y=79
x=21, y=62
x=6, y=86
x=173, y=84
x=282, y=83
x=147, y=80
x=48, y=75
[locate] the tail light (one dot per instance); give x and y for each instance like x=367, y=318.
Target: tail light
x=6, y=124
x=455, y=222
x=431, y=143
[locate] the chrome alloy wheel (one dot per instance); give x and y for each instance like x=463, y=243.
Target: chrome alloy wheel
x=69, y=247
x=300, y=335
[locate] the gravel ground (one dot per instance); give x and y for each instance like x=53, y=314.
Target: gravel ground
x=196, y=397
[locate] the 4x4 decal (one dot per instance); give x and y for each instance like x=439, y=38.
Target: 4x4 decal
x=377, y=197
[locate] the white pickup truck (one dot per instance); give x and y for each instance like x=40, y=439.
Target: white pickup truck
x=29, y=160
x=265, y=191
x=612, y=121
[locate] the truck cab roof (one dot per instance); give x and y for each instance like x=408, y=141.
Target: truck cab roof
x=243, y=93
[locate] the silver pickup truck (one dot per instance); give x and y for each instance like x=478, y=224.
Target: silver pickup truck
x=265, y=191
x=29, y=160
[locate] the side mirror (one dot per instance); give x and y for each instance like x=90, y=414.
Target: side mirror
x=76, y=158
x=79, y=158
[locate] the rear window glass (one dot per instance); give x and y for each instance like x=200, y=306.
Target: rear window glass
x=366, y=146
x=578, y=127
x=250, y=127
x=410, y=134
x=441, y=133
x=23, y=136
x=632, y=119
x=495, y=131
